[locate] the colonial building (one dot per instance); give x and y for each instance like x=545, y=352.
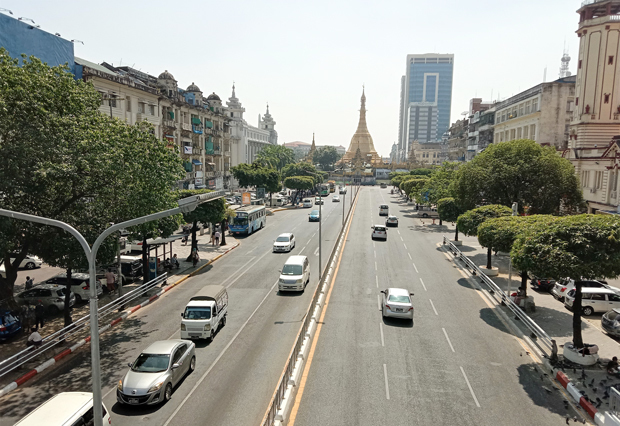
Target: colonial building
x=480, y=130
x=362, y=140
x=541, y=113
x=428, y=152
x=593, y=146
x=457, y=140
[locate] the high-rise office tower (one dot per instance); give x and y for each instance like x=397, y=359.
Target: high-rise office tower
x=426, y=99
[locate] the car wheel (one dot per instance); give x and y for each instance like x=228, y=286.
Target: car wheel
x=30, y=265
x=224, y=321
x=424, y=215
x=53, y=309
x=78, y=298
x=587, y=311
x=168, y=392
x=192, y=364
x=211, y=336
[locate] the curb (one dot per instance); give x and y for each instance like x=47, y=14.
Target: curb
x=584, y=403
x=29, y=375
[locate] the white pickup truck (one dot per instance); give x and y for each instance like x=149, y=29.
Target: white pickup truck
x=205, y=313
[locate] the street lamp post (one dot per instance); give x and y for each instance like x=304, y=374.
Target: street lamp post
x=186, y=205
x=320, y=222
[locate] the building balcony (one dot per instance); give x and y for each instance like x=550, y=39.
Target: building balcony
x=217, y=151
x=227, y=153
x=186, y=126
x=197, y=129
x=210, y=174
x=170, y=123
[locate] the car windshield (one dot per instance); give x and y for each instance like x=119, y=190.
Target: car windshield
x=399, y=299
x=291, y=270
x=314, y=212
x=282, y=240
x=197, y=312
x=151, y=363
x=241, y=221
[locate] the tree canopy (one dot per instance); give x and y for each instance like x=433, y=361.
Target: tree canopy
x=275, y=156
x=326, y=157
x=300, y=183
x=519, y=171
x=257, y=175
x=438, y=184
x=302, y=169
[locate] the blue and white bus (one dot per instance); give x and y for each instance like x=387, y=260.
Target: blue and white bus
x=248, y=220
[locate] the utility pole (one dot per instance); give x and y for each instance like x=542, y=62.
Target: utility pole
x=320, y=221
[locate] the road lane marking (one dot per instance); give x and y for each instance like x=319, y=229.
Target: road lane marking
x=204, y=376
x=445, y=333
x=423, y=284
x=242, y=270
x=382, y=339
x=316, y=251
x=246, y=270
x=375, y=265
x=398, y=231
x=387, y=388
x=415, y=267
x=470, y=388
x=410, y=258
x=433, y=307
x=313, y=235
x=373, y=244
x=377, y=280
x=405, y=246
x=303, y=248
x=401, y=238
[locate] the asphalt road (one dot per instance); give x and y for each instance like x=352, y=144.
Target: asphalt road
x=237, y=373
x=454, y=364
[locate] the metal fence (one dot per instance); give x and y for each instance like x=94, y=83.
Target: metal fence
x=78, y=326
x=276, y=399
x=500, y=296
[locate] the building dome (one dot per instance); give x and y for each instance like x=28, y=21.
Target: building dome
x=213, y=97
x=193, y=88
x=166, y=76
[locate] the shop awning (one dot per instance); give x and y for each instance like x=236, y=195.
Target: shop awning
x=197, y=162
x=210, y=164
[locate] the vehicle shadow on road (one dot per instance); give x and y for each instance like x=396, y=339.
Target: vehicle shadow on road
x=541, y=391
x=290, y=293
x=397, y=322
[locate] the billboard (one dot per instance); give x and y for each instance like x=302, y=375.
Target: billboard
x=246, y=198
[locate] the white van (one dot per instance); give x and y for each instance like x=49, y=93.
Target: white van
x=594, y=300
x=65, y=409
x=384, y=210
x=205, y=313
x=295, y=275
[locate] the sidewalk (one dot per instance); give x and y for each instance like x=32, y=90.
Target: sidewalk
x=208, y=253
x=592, y=382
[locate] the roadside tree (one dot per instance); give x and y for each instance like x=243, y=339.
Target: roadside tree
x=326, y=156
x=275, y=156
x=299, y=183
x=449, y=211
x=211, y=212
x=469, y=221
x=581, y=247
x=438, y=184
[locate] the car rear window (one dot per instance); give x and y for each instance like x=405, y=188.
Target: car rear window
x=379, y=228
x=399, y=299
x=384, y=206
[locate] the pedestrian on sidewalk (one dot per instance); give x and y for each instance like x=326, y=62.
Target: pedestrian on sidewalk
x=217, y=237
x=212, y=236
x=35, y=338
x=175, y=261
x=39, y=314
x=612, y=366
x=195, y=258
x=109, y=277
x=29, y=283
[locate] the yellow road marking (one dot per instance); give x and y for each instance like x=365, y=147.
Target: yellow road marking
x=304, y=376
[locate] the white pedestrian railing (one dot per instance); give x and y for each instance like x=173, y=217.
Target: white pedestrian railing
x=500, y=296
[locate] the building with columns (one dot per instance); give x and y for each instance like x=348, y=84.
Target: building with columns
x=594, y=141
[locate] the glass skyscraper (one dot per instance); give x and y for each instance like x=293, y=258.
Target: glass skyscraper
x=426, y=99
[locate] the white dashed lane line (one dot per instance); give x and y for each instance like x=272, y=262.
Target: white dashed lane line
x=434, y=310
x=405, y=246
x=410, y=258
x=468, y=385
x=415, y=267
x=381, y=329
x=445, y=333
x=387, y=388
x=423, y=284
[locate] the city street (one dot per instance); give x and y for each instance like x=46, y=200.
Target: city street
x=235, y=374
x=455, y=364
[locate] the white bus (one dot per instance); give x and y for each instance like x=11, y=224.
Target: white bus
x=248, y=219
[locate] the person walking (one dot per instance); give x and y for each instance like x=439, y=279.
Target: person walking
x=195, y=258
x=29, y=283
x=213, y=235
x=39, y=314
x=109, y=277
x=217, y=237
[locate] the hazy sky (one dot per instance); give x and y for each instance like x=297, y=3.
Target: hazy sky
x=309, y=59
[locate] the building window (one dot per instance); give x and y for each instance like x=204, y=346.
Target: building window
x=128, y=99
x=503, y=116
x=598, y=180
x=585, y=175
x=141, y=108
x=152, y=109
x=519, y=130
x=534, y=105
x=512, y=134
x=525, y=132
x=606, y=98
x=520, y=110
x=112, y=101
x=610, y=60
x=576, y=101
x=527, y=107
x=533, y=132
x=102, y=98
x=579, y=64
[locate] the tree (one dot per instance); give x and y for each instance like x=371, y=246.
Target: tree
x=412, y=187
x=326, y=156
x=519, y=171
x=421, y=172
x=209, y=212
x=275, y=156
x=449, y=211
x=61, y=158
x=581, y=247
x=299, y=183
x=302, y=169
x=469, y=222
x=438, y=184
x=257, y=175
x=499, y=234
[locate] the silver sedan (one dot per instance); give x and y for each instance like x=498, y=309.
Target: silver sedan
x=157, y=370
x=397, y=303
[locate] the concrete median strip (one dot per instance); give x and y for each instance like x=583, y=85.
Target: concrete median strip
x=29, y=375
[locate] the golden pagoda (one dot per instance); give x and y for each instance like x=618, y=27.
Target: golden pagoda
x=362, y=141
x=310, y=155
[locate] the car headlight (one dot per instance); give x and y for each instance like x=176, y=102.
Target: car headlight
x=156, y=387
x=281, y=280
x=299, y=281
x=182, y=327
x=207, y=327
x=119, y=386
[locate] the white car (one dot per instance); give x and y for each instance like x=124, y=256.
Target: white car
x=391, y=221
x=379, y=231
x=335, y=199
x=307, y=203
x=397, y=303
x=384, y=210
x=29, y=262
x=563, y=286
x=319, y=200
x=284, y=243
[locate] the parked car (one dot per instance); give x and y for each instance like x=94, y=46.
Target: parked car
x=314, y=216
x=156, y=371
x=542, y=284
x=284, y=242
x=391, y=221
x=379, y=231
x=397, y=303
x=29, y=262
x=383, y=185
x=51, y=295
x=561, y=288
x=307, y=203
x=9, y=325
x=80, y=284
x=426, y=212
x=611, y=322
x=594, y=300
